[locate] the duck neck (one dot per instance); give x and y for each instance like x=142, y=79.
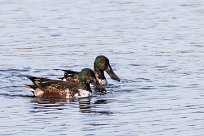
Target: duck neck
x=99, y=73
x=84, y=86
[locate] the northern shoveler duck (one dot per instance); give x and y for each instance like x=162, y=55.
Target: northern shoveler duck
x=48, y=88
x=101, y=64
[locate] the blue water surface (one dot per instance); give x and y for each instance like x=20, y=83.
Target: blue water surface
x=156, y=47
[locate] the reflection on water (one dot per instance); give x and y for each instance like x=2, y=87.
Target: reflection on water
x=85, y=105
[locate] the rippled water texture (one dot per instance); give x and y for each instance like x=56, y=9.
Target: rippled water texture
x=155, y=46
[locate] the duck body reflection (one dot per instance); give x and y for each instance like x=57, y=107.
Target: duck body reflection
x=86, y=105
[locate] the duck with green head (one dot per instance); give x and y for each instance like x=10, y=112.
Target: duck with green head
x=101, y=64
x=48, y=88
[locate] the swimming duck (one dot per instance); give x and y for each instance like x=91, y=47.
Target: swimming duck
x=48, y=88
x=101, y=64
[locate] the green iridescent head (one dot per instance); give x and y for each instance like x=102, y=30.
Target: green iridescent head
x=102, y=64
x=87, y=77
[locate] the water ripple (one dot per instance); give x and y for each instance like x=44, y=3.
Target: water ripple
x=155, y=48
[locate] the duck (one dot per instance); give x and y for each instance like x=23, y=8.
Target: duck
x=101, y=64
x=50, y=88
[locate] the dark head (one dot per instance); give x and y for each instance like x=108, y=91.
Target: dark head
x=102, y=64
x=87, y=77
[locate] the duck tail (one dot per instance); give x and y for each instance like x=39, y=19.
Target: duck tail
x=61, y=78
x=32, y=78
x=32, y=88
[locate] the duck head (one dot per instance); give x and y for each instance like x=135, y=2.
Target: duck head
x=102, y=64
x=87, y=77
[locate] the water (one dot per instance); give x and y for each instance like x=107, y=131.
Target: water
x=155, y=46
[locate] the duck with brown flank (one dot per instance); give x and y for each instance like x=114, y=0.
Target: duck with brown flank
x=48, y=88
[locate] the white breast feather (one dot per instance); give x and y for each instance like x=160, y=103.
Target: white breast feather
x=84, y=93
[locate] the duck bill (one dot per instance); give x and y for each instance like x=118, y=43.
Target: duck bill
x=113, y=76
